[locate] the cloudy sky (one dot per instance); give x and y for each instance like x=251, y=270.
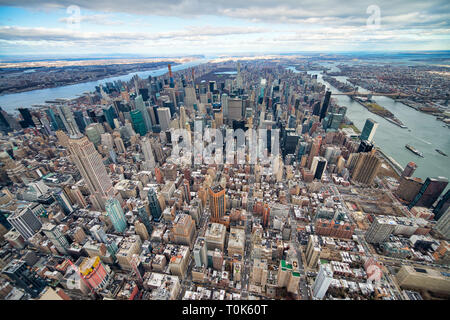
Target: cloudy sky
x=177, y=27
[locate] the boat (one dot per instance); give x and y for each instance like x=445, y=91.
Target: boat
x=414, y=150
x=441, y=152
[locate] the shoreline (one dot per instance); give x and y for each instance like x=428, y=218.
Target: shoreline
x=82, y=81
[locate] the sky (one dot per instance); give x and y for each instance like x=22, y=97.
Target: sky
x=216, y=27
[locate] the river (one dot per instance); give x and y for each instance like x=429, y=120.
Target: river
x=10, y=102
x=424, y=132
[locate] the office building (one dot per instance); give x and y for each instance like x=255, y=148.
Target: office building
x=409, y=169
x=369, y=130
x=325, y=104
x=312, y=251
x=115, y=213
x=318, y=167
x=148, y=154
x=217, y=202
x=95, y=273
x=91, y=167
x=323, y=281
x=25, y=222
x=429, y=193
x=443, y=224
x=138, y=122
x=155, y=207
x=164, y=117
x=380, y=229
x=200, y=252
x=366, y=168
x=215, y=236
x=55, y=236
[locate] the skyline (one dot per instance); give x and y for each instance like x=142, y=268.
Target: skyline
x=198, y=27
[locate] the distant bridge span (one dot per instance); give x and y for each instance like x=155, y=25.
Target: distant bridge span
x=361, y=94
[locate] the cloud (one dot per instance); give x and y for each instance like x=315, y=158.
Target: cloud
x=289, y=23
x=14, y=33
x=102, y=19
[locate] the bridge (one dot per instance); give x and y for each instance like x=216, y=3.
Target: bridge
x=371, y=94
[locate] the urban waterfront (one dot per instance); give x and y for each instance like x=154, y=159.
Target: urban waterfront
x=423, y=131
x=10, y=102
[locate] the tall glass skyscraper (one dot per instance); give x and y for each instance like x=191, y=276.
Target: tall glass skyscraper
x=138, y=122
x=369, y=129
x=115, y=213
x=155, y=208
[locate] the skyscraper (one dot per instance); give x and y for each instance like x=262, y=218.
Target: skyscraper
x=140, y=105
x=443, y=224
x=429, y=193
x=409, y=169
x=25, y=222
x=325, y=105
x=323, y=281
x=56, y=237
x=380, y=229
x=217, y=203
x=366, y=168
x=369, y=129
x=63, y=201
x=164, y=118
x=318, y=167
x=27, y=118
x=91, y=167
x=115, y=213
x=155, y=208
x=148, y=153
x=138, y=122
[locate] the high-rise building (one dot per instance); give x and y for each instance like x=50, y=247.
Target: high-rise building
x=56, y=237
x=184, y=229
x=27, y=118
x=25, y=222
x=24, y=277
x=138, y=122
x=312, y=251
x=217, y=203
x=380, y=229
x=235, y=108
x=91, y=167
x=143, y=215
x=366, y=168
x=325, y=104
x=110, y=115
x=266, y=216
x=200, y=252
x=443, y=224
x=369, y=129
x=409, y=169
x=442, y=206
x=153, y=202
x=148, y=154
x=429, y=193
x=365, y=146
x=164, y=117
x=318, y=167
x=140, y=105
x=323, y=281
x=95, y=273
x=63, y=201
x=115, y=213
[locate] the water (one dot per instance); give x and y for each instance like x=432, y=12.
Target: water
x=10, y=102
x=426, y=135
